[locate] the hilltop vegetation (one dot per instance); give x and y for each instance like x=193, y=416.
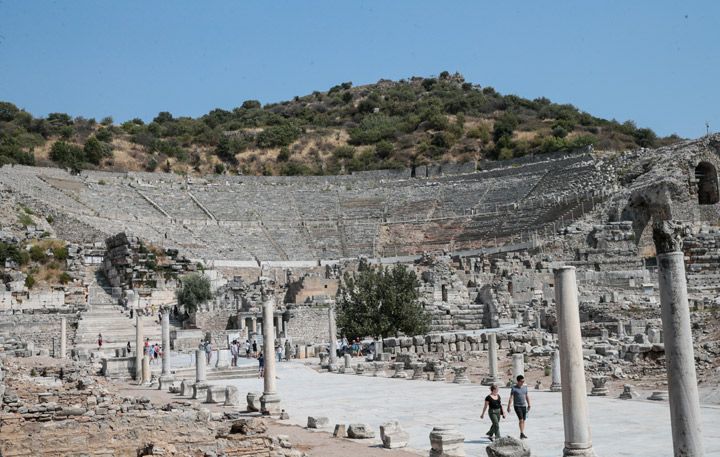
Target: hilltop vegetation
x=384, y=125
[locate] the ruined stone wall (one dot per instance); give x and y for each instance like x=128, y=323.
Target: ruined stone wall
x=221, y=319
x=39, y=328
x=309, y=324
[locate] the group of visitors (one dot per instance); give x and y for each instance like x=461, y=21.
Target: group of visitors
x=153, y=351
x=493, y=403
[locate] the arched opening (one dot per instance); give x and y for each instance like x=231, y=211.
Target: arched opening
x=706, y=177
x=444, y=292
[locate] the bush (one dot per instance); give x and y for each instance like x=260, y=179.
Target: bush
x=383, y=149
x=95, y=150
x=13, y=253
x=64, y=278
x=37, y=254
x=344, y=152
x=194, y=291
x=284, y=155
x=278, y=135
x=60, y=253
x=29, y=281
x=25, y=220
x=219, y=168
x=67, y=155
x=374, y=128
x=251, y=104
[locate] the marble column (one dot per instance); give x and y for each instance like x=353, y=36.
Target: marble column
x=556, y=385
x=679, y=355
x=253, y=324
x=200, y=368
x=146, y=373
x=63, y=338
x=518, y=366
x=139, y=348
x=493, y=377
x=270, y=400
x=333, y=339
x=578, y=441
x=165, y=376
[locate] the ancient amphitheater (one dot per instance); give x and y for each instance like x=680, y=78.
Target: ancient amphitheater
x=487, y=242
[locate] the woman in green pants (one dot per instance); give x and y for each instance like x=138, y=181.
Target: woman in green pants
x=494, y=404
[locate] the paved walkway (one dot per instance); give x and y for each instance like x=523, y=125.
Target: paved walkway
x=620, y=428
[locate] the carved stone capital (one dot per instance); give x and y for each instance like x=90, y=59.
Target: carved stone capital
x=668, y=236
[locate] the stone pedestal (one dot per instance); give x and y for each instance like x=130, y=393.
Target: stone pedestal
x=270, y=401
x=628, y=393
x=446, y=442
x=360, y=369
x=379, y=369
x=578, y=441
x=232, y=396
x=253, y=401
x=556, y=385
x=518, y=366
x=399, y=370
x=493, y=377
x=599, y=389
x=347, y=364
x=460, y=375
x=139, y=347
x=63, y=339
x=677, y=335
x=186, y=388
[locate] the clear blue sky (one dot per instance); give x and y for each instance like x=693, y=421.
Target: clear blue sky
x=655, y=62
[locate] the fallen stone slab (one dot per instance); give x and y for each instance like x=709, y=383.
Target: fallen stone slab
x=507, y=446
x=317, y=422
x=360, y=431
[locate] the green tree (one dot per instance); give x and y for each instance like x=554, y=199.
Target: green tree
x=379, y=301
x=67, y=155
x=195, y=290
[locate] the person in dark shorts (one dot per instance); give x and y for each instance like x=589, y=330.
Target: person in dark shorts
x=261, y=363
x=519, y=394
x=494, y=404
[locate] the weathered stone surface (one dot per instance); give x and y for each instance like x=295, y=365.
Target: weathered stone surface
x=446, y=442
x=232, y=396
x=393, y=436
x=507, y=446
x=253, y=401
x=360, y=431
x=317, y=422
x=339, y=431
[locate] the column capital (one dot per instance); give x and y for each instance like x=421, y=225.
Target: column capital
x=668, y=235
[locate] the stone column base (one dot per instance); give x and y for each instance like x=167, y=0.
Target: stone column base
x=555, y=388
x=490, y=381
x=199, y=390
x=587, y=452
x=270, y=404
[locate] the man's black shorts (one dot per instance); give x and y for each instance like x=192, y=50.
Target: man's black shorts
x=521, y=412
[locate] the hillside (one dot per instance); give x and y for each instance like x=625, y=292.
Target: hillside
x=383, y=125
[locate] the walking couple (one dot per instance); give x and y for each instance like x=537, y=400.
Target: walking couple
x=493, y=403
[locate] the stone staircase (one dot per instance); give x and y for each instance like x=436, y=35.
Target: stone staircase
x=104, y=316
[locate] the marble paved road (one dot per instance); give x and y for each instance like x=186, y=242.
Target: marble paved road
x=620, y=428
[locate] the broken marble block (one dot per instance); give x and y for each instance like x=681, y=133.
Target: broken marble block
x=360, y=431
x=317, y=422
x=393, y=436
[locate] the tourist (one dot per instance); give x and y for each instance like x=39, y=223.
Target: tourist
x=519, y=394
x=131, y=313
x=288, y=350
x=234, y=353
x=129, y=348
x=279, y=352
x=100, y=341
x=261, y=363
x=494, y=404
x=254, y=348
x=247, y=349
x=208, y=351
x=156, y=352
x=201, y=346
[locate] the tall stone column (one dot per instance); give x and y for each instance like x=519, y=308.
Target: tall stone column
x=146, y=373
x=139, y=348
x=333, y=339
x=680, y=358
x=556, y=385
x=518, y=366
x=63, y=338
x=493, y=377
x=253, y=324
x=165, y=376
x=578, y=441
x=270, y=400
